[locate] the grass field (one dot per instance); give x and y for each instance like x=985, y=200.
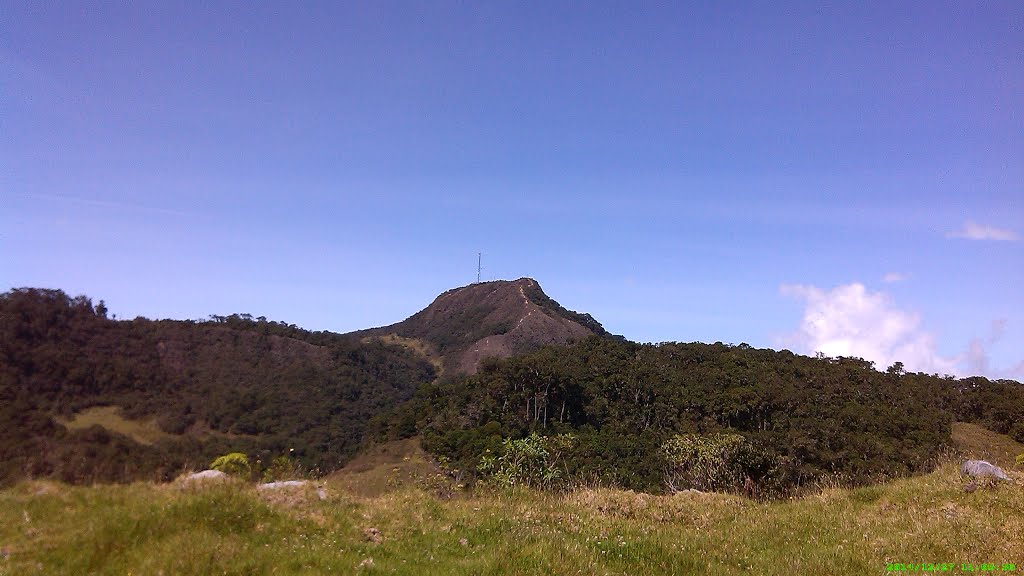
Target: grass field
x=231, y=528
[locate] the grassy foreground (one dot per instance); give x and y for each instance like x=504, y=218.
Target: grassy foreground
x=168, y=529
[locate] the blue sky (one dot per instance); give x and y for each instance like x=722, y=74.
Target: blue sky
x=845, y=178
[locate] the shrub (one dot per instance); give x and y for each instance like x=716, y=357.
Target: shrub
x=1018, y=461
x=703, y=462
x=233, y=464
x=1017, y=432
x=282, y=468
x=535, y=461
x=723, y=463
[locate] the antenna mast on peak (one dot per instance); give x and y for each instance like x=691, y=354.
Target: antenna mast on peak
x=479, y=267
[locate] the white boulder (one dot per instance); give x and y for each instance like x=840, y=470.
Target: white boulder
x=982, y=468
x=320, y=492
x=205, y=475
x=282, y=484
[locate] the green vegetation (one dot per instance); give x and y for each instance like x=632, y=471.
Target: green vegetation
x=234, y=464
x=51, y=528
x=803, y=419
x=719, y=463
x=535, y=461
x=84, y=398
x=231, y=384
x=282, y=468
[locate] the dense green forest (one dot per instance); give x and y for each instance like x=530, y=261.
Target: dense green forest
x=602, y=411
x=804, y=418
x=230, y=383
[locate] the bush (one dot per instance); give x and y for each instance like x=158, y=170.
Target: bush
x=723, y=463
x=535, y=461
x=1018, y=461
x=233, y=464
x=1017, y=432
x=708, y=463
x=282, y=468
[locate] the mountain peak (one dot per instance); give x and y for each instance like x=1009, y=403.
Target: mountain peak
x=497, y=318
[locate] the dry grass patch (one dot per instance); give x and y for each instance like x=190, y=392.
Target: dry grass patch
x=390, y=467
x=109, y=417
x=421, y=347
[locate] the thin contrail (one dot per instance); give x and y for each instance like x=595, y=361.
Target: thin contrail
x=106, y=204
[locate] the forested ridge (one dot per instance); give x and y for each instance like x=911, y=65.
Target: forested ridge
x=227, y=384
x=804, y=418
x=612, y=408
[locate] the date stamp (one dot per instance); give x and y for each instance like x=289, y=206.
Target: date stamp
x=950, y=567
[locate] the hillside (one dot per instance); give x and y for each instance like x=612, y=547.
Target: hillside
x=609, y=408
x=502, y=318
x=85, y=398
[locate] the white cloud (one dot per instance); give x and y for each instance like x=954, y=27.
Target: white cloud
x=974, y=231
x=977, y=353
x=977, y=357
x=1016, y=373
x=850, y=320
x=893, y=277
